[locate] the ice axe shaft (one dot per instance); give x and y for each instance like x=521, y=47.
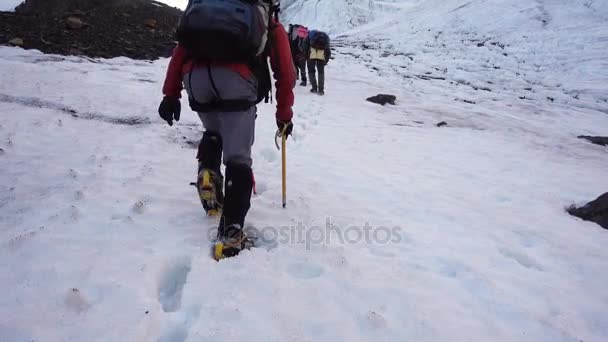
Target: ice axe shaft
x=284, y=162
x=283, y=136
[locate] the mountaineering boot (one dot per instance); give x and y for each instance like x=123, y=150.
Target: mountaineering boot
x=303, y=83
x=321, y=83
x=313, y=83
x=232, y=242
x=239, y=184
x=210, y=181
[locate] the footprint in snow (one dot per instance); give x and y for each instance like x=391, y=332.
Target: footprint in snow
x=452, y=268
x=270, y=155
x=79, y=195
x=305, y=271
x=139, y=207
x=381, y=252
x=75, y=300
x=179, y=326
x=261, y=187
x=172, y=282
x=375, y=320
x=74, y=214
x=23, y=238
x=521, y=258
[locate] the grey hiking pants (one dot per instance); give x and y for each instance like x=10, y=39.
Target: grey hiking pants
x=319, y=65
x=237, y=129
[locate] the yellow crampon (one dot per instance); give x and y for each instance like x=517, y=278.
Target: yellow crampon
x=214, y=212
x=207, y=194
x=218, y=251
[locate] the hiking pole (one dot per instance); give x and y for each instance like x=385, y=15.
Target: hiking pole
x=283, y=149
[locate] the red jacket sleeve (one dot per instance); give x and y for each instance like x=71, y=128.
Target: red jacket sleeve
x=173, y=81
x=284, y=72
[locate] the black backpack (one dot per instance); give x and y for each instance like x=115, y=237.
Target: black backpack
x=225, y=30
x=320, y=41
x=232, y=31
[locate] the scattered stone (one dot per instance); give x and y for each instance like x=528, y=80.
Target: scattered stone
x=76, y=301
x=76, y=52
x=79, y=13
x=466, y=101
x=151, y=23
x=139, y=207
x=603, y=141
x=428, y=77
x=595, y=211
x=441, y=124
x=74, y=23
x=16, y=42
x=383, y=99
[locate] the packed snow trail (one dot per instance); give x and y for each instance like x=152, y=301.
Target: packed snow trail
x=100, y=228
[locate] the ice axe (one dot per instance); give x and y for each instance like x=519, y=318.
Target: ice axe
x=281, y=134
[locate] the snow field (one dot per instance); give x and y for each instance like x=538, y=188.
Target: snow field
x=102, y=238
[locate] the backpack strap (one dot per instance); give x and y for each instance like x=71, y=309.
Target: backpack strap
x=218, y=105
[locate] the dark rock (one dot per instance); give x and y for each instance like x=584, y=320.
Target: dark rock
x=96, y=28
x=73, y=23
x=76, y=52
x=383, y=99
x=603, y=141
x=16, y=42
x=150, y=23
x=441, y=124
x=595, y=211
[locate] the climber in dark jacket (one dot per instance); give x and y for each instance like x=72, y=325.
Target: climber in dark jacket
x=318, y=53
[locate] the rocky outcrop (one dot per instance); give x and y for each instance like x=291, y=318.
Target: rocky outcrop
x=602, y=141
x=595, y=211
x=139, y=29
x=382, y=99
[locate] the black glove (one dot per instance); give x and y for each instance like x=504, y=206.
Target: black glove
x=285, y=127
x=169, y=109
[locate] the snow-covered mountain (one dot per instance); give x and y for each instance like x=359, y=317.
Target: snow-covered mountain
x=9, y=5
x=328, y=15
x=395, y=229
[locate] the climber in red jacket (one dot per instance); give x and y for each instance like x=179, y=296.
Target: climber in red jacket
x=224, y=94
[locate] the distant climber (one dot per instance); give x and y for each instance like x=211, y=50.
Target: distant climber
x=318, y=53
x=297, y=38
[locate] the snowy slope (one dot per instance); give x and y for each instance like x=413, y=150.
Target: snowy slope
x=328, y=15
x=102, y=238
x=9, y=5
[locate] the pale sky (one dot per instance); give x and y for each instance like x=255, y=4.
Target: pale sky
x=175, y=3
